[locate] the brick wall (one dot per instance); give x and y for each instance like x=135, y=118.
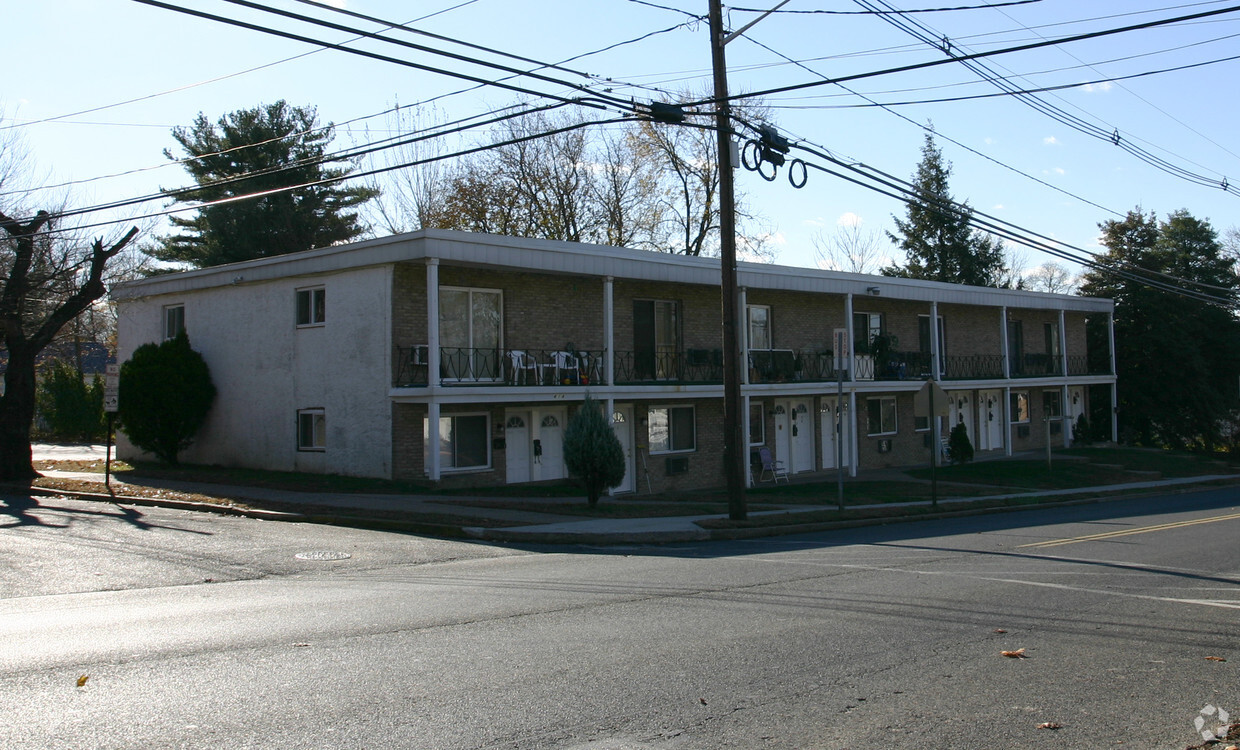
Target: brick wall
x=803, y=322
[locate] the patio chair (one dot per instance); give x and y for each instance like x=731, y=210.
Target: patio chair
x=771, y=467
x=565, y=367
x=523, y=367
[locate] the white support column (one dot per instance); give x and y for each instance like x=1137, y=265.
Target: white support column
x=1003, y=343
x=609, y=336
x=1114, y=413
x=1063, y=346
x=745, y=429
x=855, y=460
x=432, y=324
x=1007, y=422
x=1066, y=414
x=433, y=469
x=936, y=361
x=742, y=326
x=432, y=441
x=850, y=360
x=1111, y=342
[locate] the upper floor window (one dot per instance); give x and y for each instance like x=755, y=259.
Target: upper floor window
x=174, y=321
x=1053, y=348
x=866, y=327
x=925, y=343
x=1016, y=346
x=656, y=339
x=470, y=324
x=311, y=306
x=759, y=326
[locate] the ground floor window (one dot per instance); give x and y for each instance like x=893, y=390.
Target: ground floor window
x=311, y=430
x=757, y=426
x=464, y=441
x=1052, y=403
x=1020, y=407
x=672, y=429
x=881, y=415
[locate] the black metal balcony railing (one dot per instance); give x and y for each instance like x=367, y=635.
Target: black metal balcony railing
x=1036, y=366
x=542, y=367
x=493, y=366
x=973, y=367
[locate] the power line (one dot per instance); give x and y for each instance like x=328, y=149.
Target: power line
x=922, y=32
x=884, y=12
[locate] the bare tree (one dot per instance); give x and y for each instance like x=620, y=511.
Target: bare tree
x=49, y=277
x=850, y=248
x=413, y=196
x=1052, y=278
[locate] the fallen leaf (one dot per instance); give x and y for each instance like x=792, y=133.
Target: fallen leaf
x=1017, y=654
x=1050, y=725
x=1215, y=658
x=82, y=680
x=1000, y=630
x=703, y=700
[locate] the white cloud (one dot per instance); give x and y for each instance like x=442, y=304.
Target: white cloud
x=817, y=222
x=849, y=219
x=1060, y=171
x=997, y=207
x=988, y=141
x=1103, y=87
x=1051, y=140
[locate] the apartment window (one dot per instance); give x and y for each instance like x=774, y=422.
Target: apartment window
x=1052, y=404
x=311, y=306
x=757, y=425
x=1020, y=406
x=882, y=415
x=174, y=321
x=671, y=429
x=1016, y=347
x=311, y=430
x=759, y=326
x=464, y=442
x=656, y=339
x=1051, y=333
x=924, y=342
x=866, y=326
x=469, y=332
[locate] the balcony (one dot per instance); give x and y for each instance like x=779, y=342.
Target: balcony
x=462, y=366
x=973, y=367
x=1037, y=366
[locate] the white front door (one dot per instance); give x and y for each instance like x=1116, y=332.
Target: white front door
x=990, y=420
x=802, y=420
x=1076, y=407
x=827, y=416
x=783, y=433
x=962, y=413
x=550, y=444
x=517, y=446
x=622, y=425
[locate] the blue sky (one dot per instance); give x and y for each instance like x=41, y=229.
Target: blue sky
x=78, y=55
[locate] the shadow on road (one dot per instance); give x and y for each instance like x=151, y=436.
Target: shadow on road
x=24, y=510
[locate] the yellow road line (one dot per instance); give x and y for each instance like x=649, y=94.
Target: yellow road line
x=1129, y=532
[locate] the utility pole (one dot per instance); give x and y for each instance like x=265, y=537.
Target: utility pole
x=733, y=441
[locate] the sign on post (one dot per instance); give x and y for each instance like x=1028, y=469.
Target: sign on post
x=921, y=401
x=111, y=388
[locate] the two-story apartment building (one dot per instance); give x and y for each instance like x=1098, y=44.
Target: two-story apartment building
x=458, y=358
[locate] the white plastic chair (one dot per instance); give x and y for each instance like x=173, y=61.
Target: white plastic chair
x=523, y=366
x=565, y=365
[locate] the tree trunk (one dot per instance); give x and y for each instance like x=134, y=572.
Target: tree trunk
x=16, y=419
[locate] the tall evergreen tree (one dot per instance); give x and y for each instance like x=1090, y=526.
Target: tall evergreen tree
x=592, y=452
x=255, y=151
x=938, y=239
x=1178, y=358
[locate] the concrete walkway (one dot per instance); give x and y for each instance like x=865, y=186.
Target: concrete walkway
x=447, y=515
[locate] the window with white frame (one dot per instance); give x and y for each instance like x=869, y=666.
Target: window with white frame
x=881, y=415
x=759, y=326
x=470, y=325
x=671, y=429
x=311, y=306
x=174, y=321
x=757, y=425
x=1020, y=406
x=311, y=430
x=464, y=442
x=866, y=327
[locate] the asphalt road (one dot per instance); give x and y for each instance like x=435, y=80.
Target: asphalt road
x=210, y=632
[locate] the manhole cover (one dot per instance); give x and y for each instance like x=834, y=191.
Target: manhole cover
x=323, y=555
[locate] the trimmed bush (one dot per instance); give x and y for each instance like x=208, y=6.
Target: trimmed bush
x=959, y=449
x=592, y=452
x=165, y=395
x=68, y=407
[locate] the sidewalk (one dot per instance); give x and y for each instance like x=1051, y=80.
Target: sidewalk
x=425, y=513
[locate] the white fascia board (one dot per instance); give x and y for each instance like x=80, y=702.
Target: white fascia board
x=578, y=259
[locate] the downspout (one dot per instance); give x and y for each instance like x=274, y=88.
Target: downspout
x=433, y=469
